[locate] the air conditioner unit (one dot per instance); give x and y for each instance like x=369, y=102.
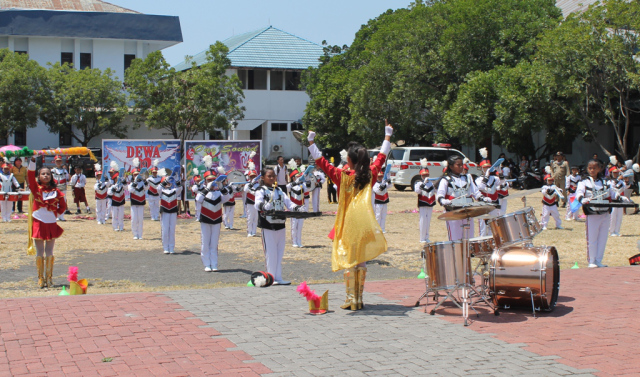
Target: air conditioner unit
x=276, y=148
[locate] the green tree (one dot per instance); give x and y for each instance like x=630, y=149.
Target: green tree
x=21, y=89
x=84, y=103
x=185, y=103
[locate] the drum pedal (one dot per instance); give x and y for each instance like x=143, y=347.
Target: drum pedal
x=533, y=306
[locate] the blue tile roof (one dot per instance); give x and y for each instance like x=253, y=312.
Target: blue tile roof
x=266, y=48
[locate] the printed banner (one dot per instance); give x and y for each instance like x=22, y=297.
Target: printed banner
x=167, y=152
x=232, y=155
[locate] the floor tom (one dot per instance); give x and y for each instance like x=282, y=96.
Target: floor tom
x=445, y=263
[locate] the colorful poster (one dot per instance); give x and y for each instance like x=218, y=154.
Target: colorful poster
x=232, y=155
x=167, y=152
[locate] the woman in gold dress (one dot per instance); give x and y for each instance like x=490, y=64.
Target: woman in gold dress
x=357, y=236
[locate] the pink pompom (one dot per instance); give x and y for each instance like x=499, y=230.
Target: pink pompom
x=305, y=291
x=73, y=273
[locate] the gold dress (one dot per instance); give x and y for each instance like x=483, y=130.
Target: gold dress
x=358, y=237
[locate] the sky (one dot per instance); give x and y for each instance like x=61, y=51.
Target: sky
x=205, y=21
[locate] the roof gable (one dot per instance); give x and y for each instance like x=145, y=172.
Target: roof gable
x=267, y=48
x=73, y=5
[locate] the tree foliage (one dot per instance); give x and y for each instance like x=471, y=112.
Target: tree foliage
x=84, y=103
x=185, y=103
x=21, y=89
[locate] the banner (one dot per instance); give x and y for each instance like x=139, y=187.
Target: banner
x=232, y=155
x=167, y=152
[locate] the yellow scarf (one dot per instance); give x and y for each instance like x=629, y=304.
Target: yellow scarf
x=358, y=236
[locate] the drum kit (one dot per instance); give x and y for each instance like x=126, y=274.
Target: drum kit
x=510, y=270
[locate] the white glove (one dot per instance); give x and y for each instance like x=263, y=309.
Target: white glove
x=625, y=199
x=445, y=202
x=585, y=200
x=388, y=130
x=311, y=136
x=487, y=199
x=268, y=206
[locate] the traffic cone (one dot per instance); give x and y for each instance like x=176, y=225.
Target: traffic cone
x=250, y=284
x=64, y=291
x=422, y=275
x=575, y=266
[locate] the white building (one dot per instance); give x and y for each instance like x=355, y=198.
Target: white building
x=85, y=33
x=269, y=63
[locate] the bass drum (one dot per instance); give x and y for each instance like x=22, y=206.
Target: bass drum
x=518, y=270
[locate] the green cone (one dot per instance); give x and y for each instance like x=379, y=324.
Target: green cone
x=575, y=266
x=64, y=291
x=422, y=275
x=250, y=284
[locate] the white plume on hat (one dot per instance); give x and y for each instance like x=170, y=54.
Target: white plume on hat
x=97, y=167
x=251, y=165
x=636, y=168
x=343, y=155
x=252, y=154
x=445, y=163
x=613, y=160
x=628, y=164
x=292, y=165
x=156, y=162
x=136, y=162
x=547, y=169
x=465, y=161
x=340, y=166
x=114, y=165
x=221, y=170
x=208, y=161
x=424, y=163
x=259, y=281
x=483, y=152
x=195, y=171
x=162, y=172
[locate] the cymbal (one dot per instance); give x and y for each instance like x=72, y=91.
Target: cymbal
x=486, y=217
x=466, y=212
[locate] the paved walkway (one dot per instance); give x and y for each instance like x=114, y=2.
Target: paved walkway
x=254, y=331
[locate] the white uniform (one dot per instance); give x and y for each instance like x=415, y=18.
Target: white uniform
x=488, y=186
x=457, y=188
x=196, y=189
x=616, y=213
x=381, y=199
x=503, y=194
x=153, y=197
x=273, y=229
x=169, y=198
x=315, y=194
x=296, y=195
x=252, y=213
x=61, y=178
x=229, y=207
x=116, y=192
x=137, y=197
x=101, y=189
x=8, y=183
x=570, y=187
x=550, y=200
x=210, y=219
x=598, y=218
x=426, y=200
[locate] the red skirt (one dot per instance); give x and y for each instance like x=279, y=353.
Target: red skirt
x=45, y=231
x=79, y=195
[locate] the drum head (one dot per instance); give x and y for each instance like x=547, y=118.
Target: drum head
x=236, y=176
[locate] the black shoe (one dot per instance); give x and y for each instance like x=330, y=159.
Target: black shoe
x=78, y=212
x=67, y=212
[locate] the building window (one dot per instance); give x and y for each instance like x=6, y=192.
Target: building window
x=216, y=135
x=257, y=79
x=66, y=57
x=20, y=138
x=276, y=80
x=128, y=58
x=278, y=126
x=65, y=138
x=242, y=75
x=292, y=80
x=256, y=133
x=85, y=60
x=296, y=126
x=21, y=52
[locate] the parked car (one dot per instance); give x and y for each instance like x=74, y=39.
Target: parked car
x=87, y=164
x=405, y=169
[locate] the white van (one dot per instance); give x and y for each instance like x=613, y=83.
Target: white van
x=405, y=168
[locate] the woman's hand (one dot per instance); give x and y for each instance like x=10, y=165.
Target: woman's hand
x=388, y=130
x=311, y=137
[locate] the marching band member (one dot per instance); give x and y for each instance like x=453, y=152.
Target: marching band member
x=61, y=177
x=229, y=206
x=570, y=187
x=48, y=203
x=269, y=198
x=137, y=189
x=170, y=190
x=426, y=200
x=484, y=153
x=211, y=200
x=381, y=199
x=617, y=183
x=197, y=187
x=116, y=192
x=101, y=187
x=153, y=193
x=8, y=183
x=78, y=182
x=357, y=237
x=111, y=179
x=594, y=188
x=503, y=193
x=550, y=198
x=457, y=189
x=488, y=185
x=250, y=189
x=250, y=165
x=297, y=188
x=315, y=194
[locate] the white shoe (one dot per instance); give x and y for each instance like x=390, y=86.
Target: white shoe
x=601, y=264
x=135, y=238
x=300, y=246
x=213, y=269
x=544, y=228
x=139, y=238
x=172, y=252
x=166, y=251
x=591, y=265
x=281, y=282
x=207, y=269
x=294, y=245
x=559, y=227
x=249, y=235
x=384, y=232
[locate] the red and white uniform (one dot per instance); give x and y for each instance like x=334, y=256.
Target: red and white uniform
x=195, y=189
x=503, y=193
x=550, y=201
x=101, y=190
x=210, y=218
x=570, y=187
x=452, y=187
x=315, y=194
x=296, y=195
x=426, y=200
x=229, y=207
x=488, y=186
x=598, y=218
x=137, y=196
x=380, y=203
x=616, y=213
x=169, y=198
x=61, y=178
x=153, y=197
x=78, y=183
x=8, y=183
x=48, y=204
x=252, y=214
x=117, y=194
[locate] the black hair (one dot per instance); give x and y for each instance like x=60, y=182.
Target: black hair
x=52, y=184
x=361, y=162
x=597, y=161
x=450, y=161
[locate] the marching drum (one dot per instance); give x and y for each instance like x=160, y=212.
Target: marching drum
x=515, y=228
x=525, y=276
x=236, y=176
x=13, y=196
x=445, y=264
x=24, y=195
x=481, y=247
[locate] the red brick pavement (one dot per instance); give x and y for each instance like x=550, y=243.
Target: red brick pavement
x=144, y=334
x=594, y=325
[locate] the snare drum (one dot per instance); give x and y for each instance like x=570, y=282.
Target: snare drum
x=445, y=264
x=23, y=195
x=518, y=270
x=515, y=228
x=13, y=197
x=482, y=247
